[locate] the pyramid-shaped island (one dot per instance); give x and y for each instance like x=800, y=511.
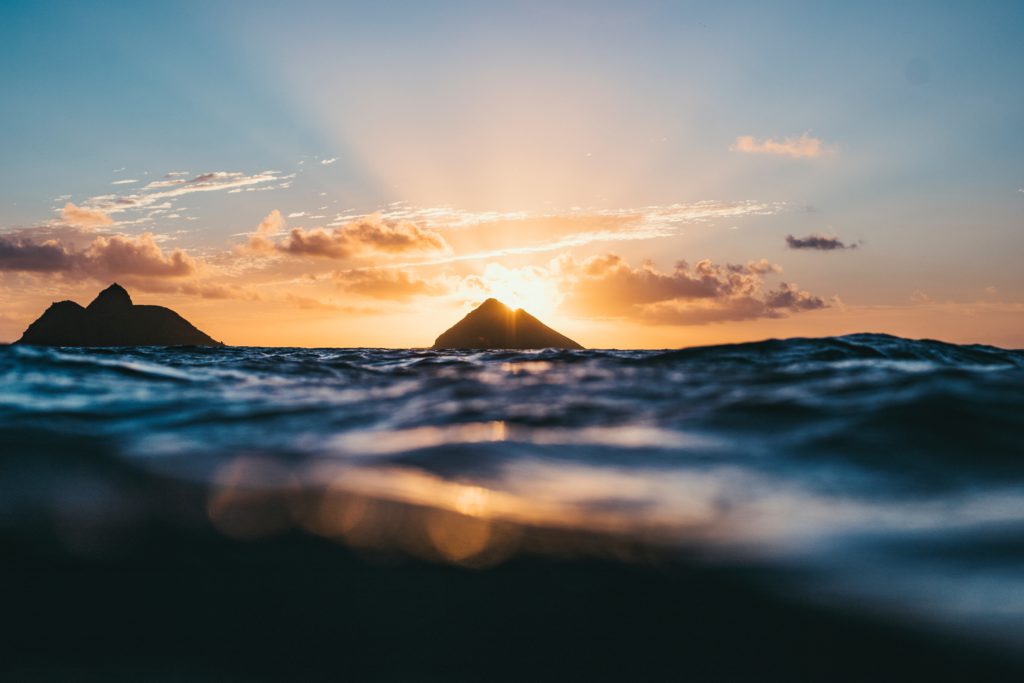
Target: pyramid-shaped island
x=113, y=320
x=493, y=325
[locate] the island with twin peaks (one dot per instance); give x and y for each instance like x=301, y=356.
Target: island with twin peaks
x=113, y=320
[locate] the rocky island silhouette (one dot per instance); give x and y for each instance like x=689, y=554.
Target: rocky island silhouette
x=113, y=320
x=493, y=325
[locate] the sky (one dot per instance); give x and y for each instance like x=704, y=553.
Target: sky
x=635, y=174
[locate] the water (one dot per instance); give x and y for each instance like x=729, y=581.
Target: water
x=887, y=474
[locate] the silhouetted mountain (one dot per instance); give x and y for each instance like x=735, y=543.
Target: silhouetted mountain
x=112, y=320
x=493, y=325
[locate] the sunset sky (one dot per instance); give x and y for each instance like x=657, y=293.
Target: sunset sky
x=636, y=174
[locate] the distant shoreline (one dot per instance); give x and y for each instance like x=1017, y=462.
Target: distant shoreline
x=595, y=349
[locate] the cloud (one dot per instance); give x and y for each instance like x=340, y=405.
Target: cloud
x=192, y=287
x=791, y=298
x=804, y=146
x=485, y=235
x=608, y=286
x=84, y=218
x=432, y=236
x=308, y=303
x=126, y=181
x=327, y=162
x=374, y=233
x=317, y=242
x=119, y=255
x=25, y=256
x=818, y=242
x=365, y=236
x=103, y=258
x=659, y=219
x=175, y=185
x=262, y=241
x=387, y=284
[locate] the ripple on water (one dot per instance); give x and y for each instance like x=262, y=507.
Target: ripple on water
x=835, y=455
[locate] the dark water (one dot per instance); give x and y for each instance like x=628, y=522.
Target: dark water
x=887, y=473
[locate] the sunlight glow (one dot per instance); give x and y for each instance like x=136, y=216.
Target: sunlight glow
x=528, y=288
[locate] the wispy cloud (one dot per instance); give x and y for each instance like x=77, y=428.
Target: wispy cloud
x=805, y=146
x=443, y=216
x=920, y=297
x=175, y=185
x=328, y=162
x=126, y=181
x=663, y=216
x=817, y=242
x=575, y=240
x=537, y=232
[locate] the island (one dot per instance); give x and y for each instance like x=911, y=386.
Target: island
x=493, y=325
x=113, y=320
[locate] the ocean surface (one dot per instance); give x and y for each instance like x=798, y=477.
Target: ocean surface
x=866, y=472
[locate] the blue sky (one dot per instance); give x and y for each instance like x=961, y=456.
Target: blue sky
x=543, y=107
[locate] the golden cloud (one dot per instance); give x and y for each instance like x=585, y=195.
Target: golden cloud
x=105, y=257
x=84, y=218
x=366, y=236
x=804, y=146
x=387, y=284
x=608, y=286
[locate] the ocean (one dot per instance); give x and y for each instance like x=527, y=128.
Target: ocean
x=873, y=479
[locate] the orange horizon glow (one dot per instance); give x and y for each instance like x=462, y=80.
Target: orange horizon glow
x=284, y=323
x=673, y=184
x=399, y=279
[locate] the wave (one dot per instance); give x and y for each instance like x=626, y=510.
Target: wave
x=833, y=455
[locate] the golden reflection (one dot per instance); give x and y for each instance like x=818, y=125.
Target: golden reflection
x=394, y=441
x=337, y=513
x=534, y=507
x=472, y=500
x=537, y=506
x=377, y=442
x=253, y=497
x=379, y=525
x=471, y=541
x=530, y=367
x=457, y=537
x=460, y=533
x=499, y=430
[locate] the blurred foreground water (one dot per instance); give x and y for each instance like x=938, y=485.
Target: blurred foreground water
x=864, y=475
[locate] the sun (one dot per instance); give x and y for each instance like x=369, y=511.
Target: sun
x=529, y=288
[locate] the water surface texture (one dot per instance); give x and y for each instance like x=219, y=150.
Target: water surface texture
x=887, y=474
